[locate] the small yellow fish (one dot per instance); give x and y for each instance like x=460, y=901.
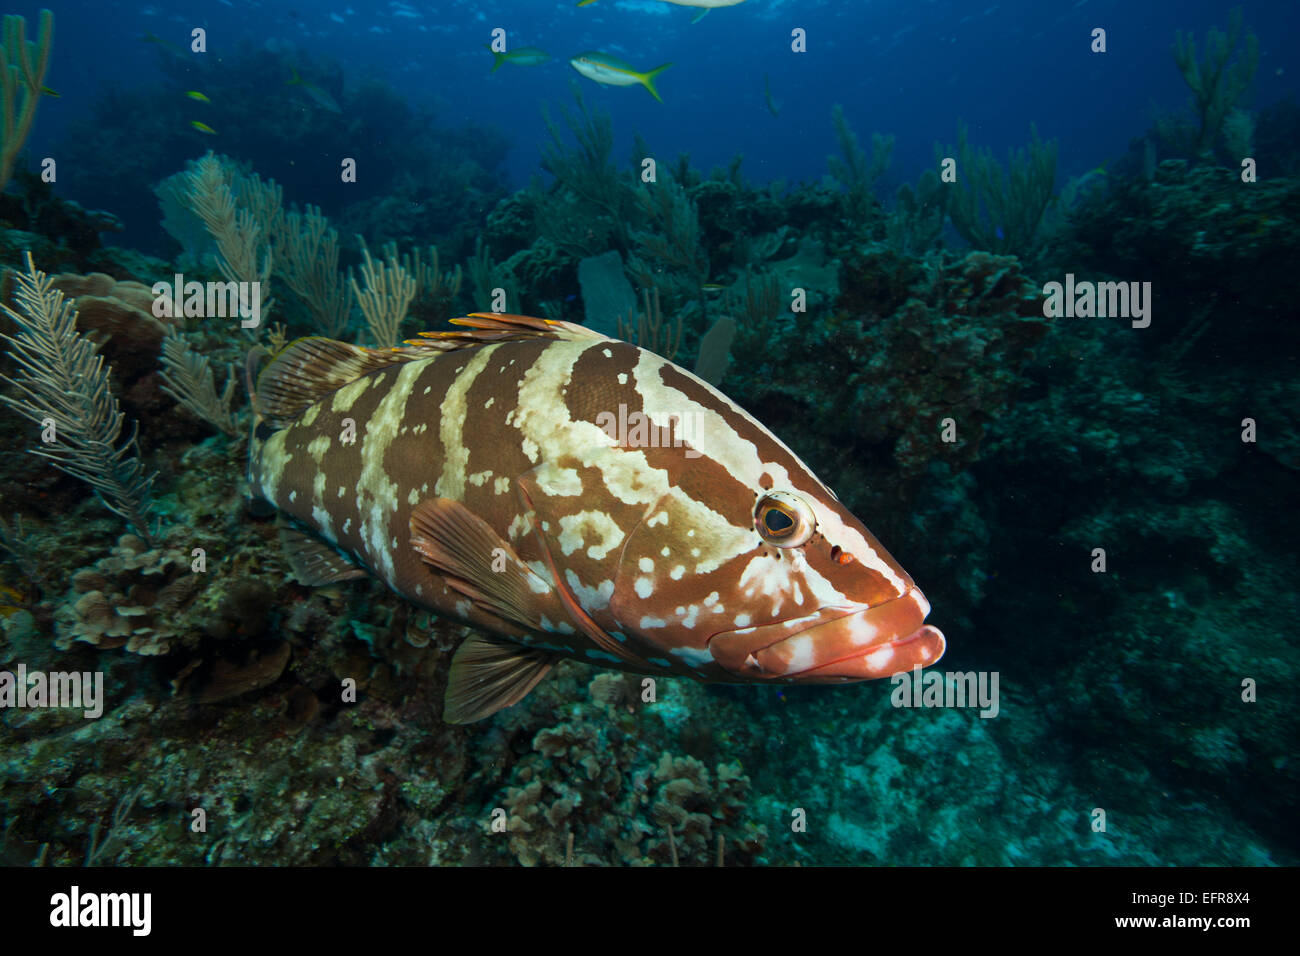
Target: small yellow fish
x=171, y=49
x=524, y=56
x=611, y=71
x=196, y=95
x=203, y=127
x=49, y=92
x=313, y=92
x=773, y=106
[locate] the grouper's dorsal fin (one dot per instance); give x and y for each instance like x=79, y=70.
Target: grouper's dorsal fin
x=484, y=328
x=307, y=370
x=311, y=368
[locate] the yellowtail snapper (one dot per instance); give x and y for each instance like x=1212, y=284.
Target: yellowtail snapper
x=611, y=71
x=318, y=96
x=524, y=56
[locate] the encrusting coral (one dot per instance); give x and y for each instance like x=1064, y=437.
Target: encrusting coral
x=603, y=779
x=136, y=598
x=109, y=308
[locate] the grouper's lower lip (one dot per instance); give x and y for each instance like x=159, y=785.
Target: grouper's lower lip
x=835, y=644
x=921, y=648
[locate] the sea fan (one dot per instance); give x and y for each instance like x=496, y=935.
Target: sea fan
x=62, y=385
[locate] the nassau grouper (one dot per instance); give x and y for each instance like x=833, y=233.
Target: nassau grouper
x=570, y=495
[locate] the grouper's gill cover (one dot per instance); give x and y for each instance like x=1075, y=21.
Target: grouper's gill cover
x=571, y=495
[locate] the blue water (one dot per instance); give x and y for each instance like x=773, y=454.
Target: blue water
x=911, y=69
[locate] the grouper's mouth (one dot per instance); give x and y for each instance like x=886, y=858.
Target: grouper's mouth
x=835, y=644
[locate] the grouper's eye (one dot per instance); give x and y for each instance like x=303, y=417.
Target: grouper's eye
x=784, y=519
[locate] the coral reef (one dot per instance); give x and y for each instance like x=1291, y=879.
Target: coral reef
x=600, y=783
x=1201, y=236
x=992, y=449
x=117, y=315
x=916, y=342
x=609, y=773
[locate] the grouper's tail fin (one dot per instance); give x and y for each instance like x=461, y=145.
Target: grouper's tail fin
x=253, y=365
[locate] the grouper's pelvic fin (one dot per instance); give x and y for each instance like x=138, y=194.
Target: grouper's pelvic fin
x=315, y=563
x=309, y=369
x=488, y=674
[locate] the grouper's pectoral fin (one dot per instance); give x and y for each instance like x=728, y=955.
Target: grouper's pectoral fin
x=489, y=674
x=532, y=496
x=477, y=562
x=314, y=562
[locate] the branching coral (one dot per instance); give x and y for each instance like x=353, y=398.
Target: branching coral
x=182, y=223
x=855, y=172
x=590, y=207
x=187, y=377
x=435, y=290
x=648, y=330
x=756, y=309
x=243, y=240
x=1216, y=84
x=916, y=223
x=669, y=255
x=22, y=78
x=388, y=294
x=999, y=209
x=486, y=276
x=307, y=259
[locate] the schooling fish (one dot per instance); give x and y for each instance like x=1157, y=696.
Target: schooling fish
x=611, y=71
x=704, y=6
x=571, y=495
